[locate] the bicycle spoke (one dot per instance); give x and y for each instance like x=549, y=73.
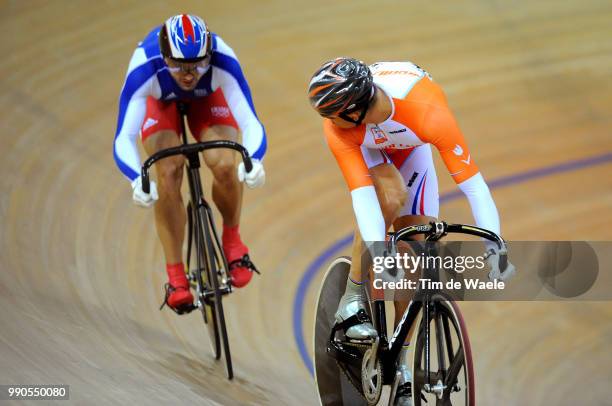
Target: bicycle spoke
x=447, y=336
x=440, y=345
x=455, y=367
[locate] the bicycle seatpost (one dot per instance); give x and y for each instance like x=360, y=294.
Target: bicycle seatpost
x=182, y=107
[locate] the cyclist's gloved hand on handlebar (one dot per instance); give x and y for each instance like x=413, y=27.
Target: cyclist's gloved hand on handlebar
x=141, y=198
x=501, y=268
x=255, y=178
x=383, y=250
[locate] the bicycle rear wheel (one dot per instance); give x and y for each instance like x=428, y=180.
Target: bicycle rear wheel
x=213, y=272
x=452, y=371
x=334, y=387
x=197, y=247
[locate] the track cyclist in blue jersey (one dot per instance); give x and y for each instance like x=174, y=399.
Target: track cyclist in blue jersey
x=183, y=61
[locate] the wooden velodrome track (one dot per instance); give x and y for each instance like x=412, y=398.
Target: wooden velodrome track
x=82, y=269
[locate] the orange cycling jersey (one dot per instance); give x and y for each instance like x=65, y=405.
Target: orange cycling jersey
x=420, y=116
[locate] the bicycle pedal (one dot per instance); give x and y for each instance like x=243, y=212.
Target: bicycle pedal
x=186, y=309
x=367, y=342
x=246, y=262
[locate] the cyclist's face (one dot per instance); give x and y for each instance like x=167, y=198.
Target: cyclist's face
x=373, y=109
x=340, y=122
x=186, y=74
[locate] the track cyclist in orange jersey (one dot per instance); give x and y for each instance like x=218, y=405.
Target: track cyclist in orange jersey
x=380, y=121
x=182, y=60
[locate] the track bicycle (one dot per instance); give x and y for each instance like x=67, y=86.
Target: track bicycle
x=349, y=372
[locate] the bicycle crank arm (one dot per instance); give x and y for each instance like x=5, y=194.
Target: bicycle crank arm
x=374, y=358
x=394, y=387
x=344, y=353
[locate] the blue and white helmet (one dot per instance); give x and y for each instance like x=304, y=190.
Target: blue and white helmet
x=185, y=38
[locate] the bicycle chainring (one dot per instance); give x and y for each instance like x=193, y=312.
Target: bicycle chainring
x=371, y=378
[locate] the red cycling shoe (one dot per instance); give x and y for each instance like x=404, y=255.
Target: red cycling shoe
x=240, y=266
x=178, y=296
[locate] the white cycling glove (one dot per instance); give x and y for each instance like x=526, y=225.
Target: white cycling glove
x=255, y=178
x=493, y=256
x=141, y=198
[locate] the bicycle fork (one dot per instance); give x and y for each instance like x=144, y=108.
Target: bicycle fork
x=435, y=388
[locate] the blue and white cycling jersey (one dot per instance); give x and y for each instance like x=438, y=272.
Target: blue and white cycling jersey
x=148, y=75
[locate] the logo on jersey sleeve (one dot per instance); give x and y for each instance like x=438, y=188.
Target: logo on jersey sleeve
x=459, y=152
x=379, y=135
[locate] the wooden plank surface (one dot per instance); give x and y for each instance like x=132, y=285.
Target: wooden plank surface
x=82, y=268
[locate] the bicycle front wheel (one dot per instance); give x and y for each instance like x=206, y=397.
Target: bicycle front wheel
x=207, y=305
x=213, y=272
x=451, y=369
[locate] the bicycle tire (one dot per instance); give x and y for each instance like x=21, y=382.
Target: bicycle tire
x=443, y=311
x=334, y=387
x=203, y=281
x=213, y=275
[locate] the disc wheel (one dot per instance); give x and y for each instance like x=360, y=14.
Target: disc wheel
x=335, y=385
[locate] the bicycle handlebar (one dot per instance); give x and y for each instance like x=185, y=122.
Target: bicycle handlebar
x=189, y=149
x=435, y=230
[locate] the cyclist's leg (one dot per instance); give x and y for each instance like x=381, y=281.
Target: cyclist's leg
x=211, y=119
x=391, y=194
x=160, y=131
x=226, y=189
x=169, y=210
